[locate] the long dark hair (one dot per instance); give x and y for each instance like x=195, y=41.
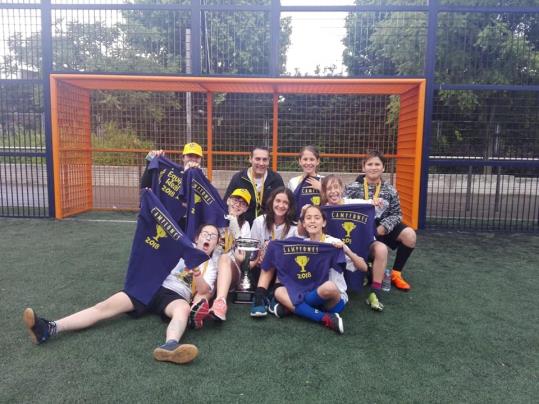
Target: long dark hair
x=290, y=215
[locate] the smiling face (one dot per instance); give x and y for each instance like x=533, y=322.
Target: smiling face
x=309, y=162
x=313, y=222
x=237, y=205
x=207, y=239
x=334, y=192
x=281, y=204
x=373, y=169
x=259, y=162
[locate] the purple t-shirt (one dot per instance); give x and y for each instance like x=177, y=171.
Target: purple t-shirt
x=302, y=265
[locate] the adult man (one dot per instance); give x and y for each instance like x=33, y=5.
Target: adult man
x=258, y=179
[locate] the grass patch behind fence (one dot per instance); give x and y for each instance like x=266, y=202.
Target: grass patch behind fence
x=467, y=332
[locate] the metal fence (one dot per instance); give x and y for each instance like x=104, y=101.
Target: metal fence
x=480, y=58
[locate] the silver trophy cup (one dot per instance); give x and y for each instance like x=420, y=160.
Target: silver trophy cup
x=244, y=292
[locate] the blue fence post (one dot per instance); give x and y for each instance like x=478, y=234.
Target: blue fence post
x=46, y=69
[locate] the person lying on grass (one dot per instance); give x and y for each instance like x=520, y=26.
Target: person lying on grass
x=310, y=271
x=171, y=302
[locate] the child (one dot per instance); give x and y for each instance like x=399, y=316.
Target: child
x=171, y=302
x=306, y=187
x=389, y=227
x=230, y=261
x=332, y=194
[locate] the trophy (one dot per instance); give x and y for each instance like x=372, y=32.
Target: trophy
x=302, y=261
x=245, y=290
x=159, y=233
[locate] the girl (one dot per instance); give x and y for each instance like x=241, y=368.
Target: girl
x=390, y=230
x=324, y=303
x=171, y=302
x=306, y=187
x=229, y=263
x=332, y=194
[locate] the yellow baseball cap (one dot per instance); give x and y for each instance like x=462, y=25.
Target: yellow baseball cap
x=192, y=148
x=243, y=194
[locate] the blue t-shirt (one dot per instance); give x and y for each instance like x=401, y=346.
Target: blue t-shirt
x=157, y=247
x=353, y=224
x=302, y=265
x=166, y=185
x=305, y=194
x=204, y=204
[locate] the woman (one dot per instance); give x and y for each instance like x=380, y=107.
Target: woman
x=171, y=302
x=389, y=227
x=306, y=187
x=332, y=194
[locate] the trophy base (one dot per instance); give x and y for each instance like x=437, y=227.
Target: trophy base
x=243, y=296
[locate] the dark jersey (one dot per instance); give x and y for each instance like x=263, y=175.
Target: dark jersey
x=167, y=184
x=204, y=204
x=302, y=265
x=157, y=247
x=353, y=224
x=305, y=194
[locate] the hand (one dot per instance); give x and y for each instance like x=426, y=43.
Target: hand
x=153, y=154
x=378, y=202
x=191, y=164
x=313, y=182
x=381, y=230
x=339, y=244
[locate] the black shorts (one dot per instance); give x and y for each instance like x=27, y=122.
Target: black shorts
x=390, y=239
x=157, y=305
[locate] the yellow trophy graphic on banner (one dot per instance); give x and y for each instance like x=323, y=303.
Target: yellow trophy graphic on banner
x=302, y=261
x=348, y=228
x=315, y=200
x=197, y=200
x=153, y=241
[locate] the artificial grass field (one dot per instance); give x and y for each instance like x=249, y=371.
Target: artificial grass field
x=467, y=332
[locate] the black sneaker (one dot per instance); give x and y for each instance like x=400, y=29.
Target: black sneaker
x=173, y=352
x=334, y=322
x=38, y=328
x=277, y=309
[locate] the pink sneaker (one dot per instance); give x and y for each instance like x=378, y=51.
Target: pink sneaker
x=199, y=312
x=219, y=309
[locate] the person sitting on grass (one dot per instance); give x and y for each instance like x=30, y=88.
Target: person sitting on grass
x=230, y=260
x=332, y=194
x=171, y=302
x=313, y=287
x=389, y=227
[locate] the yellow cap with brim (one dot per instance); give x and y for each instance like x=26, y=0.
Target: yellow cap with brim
x=243, y=194
x=192, y=148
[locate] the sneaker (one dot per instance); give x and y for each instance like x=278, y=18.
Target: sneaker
x=176, y=353
x=218, y=309
x=334, y=322
x=374, y=303
x=199, y=312
x=277, y=309
x=38, y=328
x=259, y=307
x=398, y=281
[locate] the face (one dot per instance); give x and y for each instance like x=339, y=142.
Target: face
x=259, y=162
x=191, y=158
x=334, y=193
x=313, y=221
x=237, y=205
x=207, y=239
x=373, y=168
x=280, y=205
x=308, y=162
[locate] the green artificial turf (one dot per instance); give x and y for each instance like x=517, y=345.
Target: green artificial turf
x=467, y=332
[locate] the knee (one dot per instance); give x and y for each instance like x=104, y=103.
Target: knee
x=408, y=237
x=379, y=250
x=181, y=310
x=328, y=290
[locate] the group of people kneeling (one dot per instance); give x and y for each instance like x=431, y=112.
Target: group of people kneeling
x=260, y=207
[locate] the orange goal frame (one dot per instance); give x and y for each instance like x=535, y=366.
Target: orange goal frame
x=71, y=125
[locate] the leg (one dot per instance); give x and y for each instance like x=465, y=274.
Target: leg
x=259, y=307
x=329, y=292
x=378, y=251
x=406, y=243
x=178, y=311
x=226, y=276
x=40, y=329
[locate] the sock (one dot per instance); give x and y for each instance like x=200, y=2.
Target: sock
x=172, y=341
x=403, y=253
x=52, y=328
x=304, y=310
x=313, y=299
x=260, y=294
x=375, y=288
x=338, y=307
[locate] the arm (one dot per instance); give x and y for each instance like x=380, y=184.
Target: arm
x=358, y=261
x=393, y=215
